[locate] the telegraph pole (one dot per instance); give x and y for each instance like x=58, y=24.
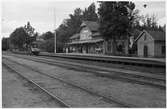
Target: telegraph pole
x=54, y=14
x=55, y=40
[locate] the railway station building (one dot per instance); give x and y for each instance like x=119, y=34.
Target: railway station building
x=151, y=44
x=89, y=40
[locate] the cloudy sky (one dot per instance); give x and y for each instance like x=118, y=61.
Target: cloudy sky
x=46, y=15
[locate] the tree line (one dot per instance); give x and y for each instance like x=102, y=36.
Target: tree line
x=116, y=19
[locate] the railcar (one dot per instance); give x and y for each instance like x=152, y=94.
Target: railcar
x=34, y=49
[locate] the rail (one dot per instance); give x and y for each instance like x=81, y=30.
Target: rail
x=136, y=61
x=61, y=102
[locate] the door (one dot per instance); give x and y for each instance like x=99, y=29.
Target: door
x=86, y=48
x=145, y=51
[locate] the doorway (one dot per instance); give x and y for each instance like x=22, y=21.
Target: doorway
x=145, y=51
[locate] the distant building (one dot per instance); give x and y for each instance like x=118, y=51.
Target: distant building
x=88, y=40
x=151, y=44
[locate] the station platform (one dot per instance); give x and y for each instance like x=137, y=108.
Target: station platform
x=163, y=60
x=152, y=62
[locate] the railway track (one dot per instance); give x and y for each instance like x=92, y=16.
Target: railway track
x=127, y=65
x=159, y=76
x=151, y=70
x=57, y=99
x=134, y=61
x=139, y=79
x=110, y=100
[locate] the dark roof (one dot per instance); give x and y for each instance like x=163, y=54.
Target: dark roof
x=87, y=41
x=93, y=26
x=74, y=36
x=135, y=33
x=96, y=34
x=157, y=35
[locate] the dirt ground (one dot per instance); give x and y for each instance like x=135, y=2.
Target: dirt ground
x=18, y=93
x=139, y=95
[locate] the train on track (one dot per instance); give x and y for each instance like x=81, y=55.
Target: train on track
x=34, y=49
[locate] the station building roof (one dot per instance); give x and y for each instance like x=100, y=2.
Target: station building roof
x=75, y=36
x=92, y=25
x=86, y=41
x=156, y=35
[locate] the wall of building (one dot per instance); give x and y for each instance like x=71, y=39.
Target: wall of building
x=149, y=42
x=85, y=34
x=158, y=49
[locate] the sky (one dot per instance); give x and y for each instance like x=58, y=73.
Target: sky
x=46, y=15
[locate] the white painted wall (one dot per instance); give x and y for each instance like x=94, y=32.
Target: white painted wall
x=149, y=42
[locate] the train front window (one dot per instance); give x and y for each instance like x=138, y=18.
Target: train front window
x=35, y=46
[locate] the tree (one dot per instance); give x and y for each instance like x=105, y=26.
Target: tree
x=29, y=29
x=90, y=13
x=116, y=20
x=75, y=21
x=5, y=43
x=31, y=34
x=18, y=37
x=150, y=23
x=71, y=25
x=62, y=35
x=49, y=45
x=47, y=35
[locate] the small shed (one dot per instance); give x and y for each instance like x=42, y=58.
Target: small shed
x=151, y=44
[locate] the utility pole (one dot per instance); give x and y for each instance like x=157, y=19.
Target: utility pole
x=55, y=41
x=54, y=14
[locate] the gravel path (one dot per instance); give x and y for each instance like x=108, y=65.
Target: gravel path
x=139, y=95
x=18, y=93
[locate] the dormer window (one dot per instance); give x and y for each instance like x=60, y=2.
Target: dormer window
x=85, y=31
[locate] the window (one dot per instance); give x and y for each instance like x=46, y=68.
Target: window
x=85, y=34
x=163, y=49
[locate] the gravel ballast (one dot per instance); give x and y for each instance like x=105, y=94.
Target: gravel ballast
x=18, y=93
x=139, y=95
